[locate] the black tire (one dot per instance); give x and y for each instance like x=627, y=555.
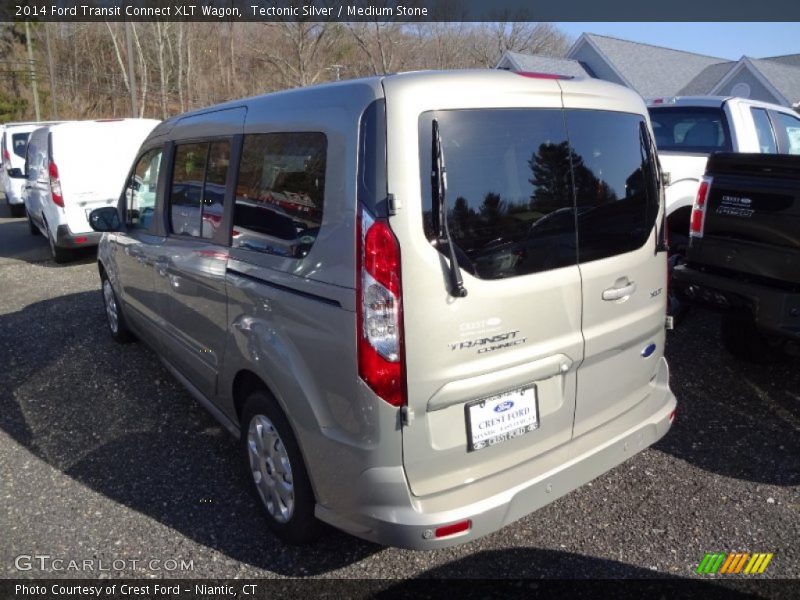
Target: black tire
x=16, y=210
x=743, y=340
x=32, y=226
x=298, y=525
x=119, y=332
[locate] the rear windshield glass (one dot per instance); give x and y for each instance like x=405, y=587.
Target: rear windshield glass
x=512, y=178
x=690, y=129
x=19, y=143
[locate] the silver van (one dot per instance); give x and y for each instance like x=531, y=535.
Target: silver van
x=428, y=304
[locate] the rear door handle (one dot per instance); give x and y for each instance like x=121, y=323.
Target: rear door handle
x=619, y=291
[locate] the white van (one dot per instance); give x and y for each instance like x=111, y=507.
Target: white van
x=73, y=168
x=13, y=145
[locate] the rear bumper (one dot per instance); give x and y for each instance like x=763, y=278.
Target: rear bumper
x=66, y=239
x=391, y=515
x=774, y=310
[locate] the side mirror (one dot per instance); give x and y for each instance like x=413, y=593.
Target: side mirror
x=105, y=219
x=16, y=173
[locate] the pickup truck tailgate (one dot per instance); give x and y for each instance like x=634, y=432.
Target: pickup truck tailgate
x=752, y=220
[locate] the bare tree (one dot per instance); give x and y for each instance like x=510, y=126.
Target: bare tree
x=491, y=40
x=379, y=42
x=298, y=49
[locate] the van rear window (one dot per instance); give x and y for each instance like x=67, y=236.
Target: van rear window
x=690, y=129
x=509, y=198
x=19, y=143
x=523, y=197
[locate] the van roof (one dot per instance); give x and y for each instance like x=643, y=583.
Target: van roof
x=372, y=87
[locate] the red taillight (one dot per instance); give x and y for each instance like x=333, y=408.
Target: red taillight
x=55, y=185
x=453, y=529
x=534, y=75
x=379, y=311
x=699, y=209
x=672, y=416
x=81, y=239
x=6, y=158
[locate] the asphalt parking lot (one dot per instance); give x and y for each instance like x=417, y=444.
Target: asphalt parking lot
x=105, y=457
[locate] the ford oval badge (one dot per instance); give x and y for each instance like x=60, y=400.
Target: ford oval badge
x=648, y=350
x=503, y=406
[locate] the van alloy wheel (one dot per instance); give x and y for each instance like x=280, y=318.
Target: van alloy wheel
x=270, y=468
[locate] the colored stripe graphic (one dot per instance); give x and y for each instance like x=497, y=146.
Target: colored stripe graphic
x=734, y=563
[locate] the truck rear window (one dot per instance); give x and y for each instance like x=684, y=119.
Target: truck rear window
x=690, y=129
x=523, y=198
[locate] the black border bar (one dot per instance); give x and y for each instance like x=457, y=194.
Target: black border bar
x=412, y=11
x=287, y=589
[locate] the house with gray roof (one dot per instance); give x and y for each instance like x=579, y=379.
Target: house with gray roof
x=655, y=71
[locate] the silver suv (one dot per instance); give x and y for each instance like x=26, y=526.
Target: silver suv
x=428, y=304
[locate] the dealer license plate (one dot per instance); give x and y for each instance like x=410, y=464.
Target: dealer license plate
x=493, y=420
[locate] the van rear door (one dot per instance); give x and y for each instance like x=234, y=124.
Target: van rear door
x=623, y=271
x=490, y=376
x=92, y=160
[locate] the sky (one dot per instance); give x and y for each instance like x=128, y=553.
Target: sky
x=723, y=40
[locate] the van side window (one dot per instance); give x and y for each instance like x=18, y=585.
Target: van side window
x=616, y=189
x=140, y=193
x=198, y=187
x=766, y=138
x=280, y=193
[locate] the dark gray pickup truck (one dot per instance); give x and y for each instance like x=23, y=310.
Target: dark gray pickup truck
x=744, y=252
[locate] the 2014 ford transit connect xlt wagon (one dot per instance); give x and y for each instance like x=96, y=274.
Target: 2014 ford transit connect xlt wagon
x=428, y=303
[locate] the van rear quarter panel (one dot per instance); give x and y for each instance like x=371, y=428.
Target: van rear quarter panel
x=296, y=328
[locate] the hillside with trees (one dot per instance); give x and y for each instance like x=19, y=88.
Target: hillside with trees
x=88, y=70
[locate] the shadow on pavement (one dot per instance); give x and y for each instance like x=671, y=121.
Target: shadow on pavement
x=112, y=418
x=734, y=418
x=17, y=244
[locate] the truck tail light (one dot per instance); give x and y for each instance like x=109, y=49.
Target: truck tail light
x=699, y=209
x=55, y=185
x=6, y=159
x=379, y=310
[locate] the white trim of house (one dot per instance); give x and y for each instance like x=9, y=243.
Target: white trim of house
x=585, y=39
x=746, y=63
x=513, y=65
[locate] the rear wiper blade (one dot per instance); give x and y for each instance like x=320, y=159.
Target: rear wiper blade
x=439, y=194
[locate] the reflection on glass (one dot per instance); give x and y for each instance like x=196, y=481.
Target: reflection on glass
x=219, y=158
x=141, y=191
x=517, y=187
x=187, y=188
x=280, y=193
